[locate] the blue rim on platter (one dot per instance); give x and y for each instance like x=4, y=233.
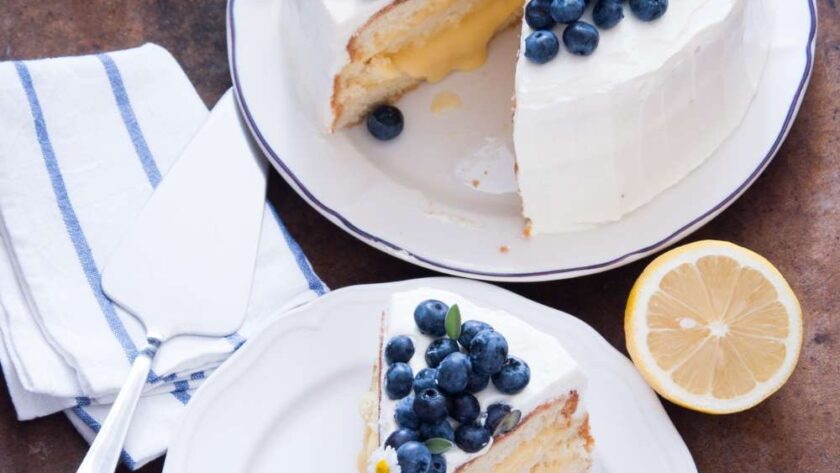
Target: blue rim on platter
x=431, y=263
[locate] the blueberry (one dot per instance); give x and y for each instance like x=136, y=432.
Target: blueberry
x=399, y=349
x=469, y=330
x=541, y=46
x=581, y=38
x=430, y=406
x=414, y=457
x=442, y=429
x=400, y=437
x=567, y=11
x=648, y=10
x=514, y=376
x=398, y=380
x=385, y=122
x=538, y=15
x=440, y=349
x=454, y=373
x=607, y=13
x=404, y=414
x=488, y=352
x=425, y=379
x=438, y=464
x=430, y=316
x=464, y=408
x=495, y=414
x=477, y=382
x=471, y=438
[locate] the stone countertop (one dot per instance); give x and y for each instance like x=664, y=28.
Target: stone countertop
x=791, y=215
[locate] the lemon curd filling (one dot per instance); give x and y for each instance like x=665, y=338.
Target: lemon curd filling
x=459, y=47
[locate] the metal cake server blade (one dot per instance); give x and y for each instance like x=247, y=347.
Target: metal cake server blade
x=186, y=265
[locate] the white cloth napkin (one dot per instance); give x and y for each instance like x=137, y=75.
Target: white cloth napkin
x=83, y=143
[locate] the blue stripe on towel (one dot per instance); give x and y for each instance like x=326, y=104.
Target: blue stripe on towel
x=89, y=421
x=71, y=221
x=236, y=340
x=314, y=282
x=180, y=392
x=130, y=119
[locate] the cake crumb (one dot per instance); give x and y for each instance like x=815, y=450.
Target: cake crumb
x=476, y=183
x=504, y=249
x=527, y=231
x=445, y=101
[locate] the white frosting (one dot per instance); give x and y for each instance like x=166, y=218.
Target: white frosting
x=597, y=137
x=553, y=372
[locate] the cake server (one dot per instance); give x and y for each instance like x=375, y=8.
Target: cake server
x=186, y=265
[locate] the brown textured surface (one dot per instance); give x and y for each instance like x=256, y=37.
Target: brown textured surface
x=791, y=216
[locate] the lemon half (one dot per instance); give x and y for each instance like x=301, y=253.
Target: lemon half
x=713, y=327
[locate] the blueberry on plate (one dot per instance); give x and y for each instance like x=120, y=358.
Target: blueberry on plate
x=425, y=379
x=399, y=349
x=430, y=406
x=541, y=46
x=471, y=438
x=385, y=122
x=581, y=38
x=464, y=408
x=404, y=414
x=399, y=380
x=477, y=382
x=567, y=11
x=454, y=373
x=414, y=457
x=400, y=437
x=440, y=349
x=438, y=464
x=538, y=15
x=488, y=352
x=495, y=414
x=648, y=10
x=469, y=330
x=441, y=430
x=608, y=13
x=430, y=316
x=514, y=376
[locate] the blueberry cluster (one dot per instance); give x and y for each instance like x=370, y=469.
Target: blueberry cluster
x=581, y=38
x=441, y=395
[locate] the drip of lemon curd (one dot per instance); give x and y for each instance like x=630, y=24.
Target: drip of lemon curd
x=461, y=47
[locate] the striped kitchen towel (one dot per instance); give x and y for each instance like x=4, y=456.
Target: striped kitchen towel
x=83, y=143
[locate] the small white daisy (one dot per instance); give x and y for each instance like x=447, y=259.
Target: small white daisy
x=383, y=460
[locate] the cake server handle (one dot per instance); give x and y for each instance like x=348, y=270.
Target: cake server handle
x=107, y=447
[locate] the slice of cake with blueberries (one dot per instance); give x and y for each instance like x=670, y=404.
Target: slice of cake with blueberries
x=458, y=388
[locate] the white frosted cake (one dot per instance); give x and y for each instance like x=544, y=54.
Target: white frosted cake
x=595, y=137
x=549, y=431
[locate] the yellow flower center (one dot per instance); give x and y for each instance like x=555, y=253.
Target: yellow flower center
x=382, y=466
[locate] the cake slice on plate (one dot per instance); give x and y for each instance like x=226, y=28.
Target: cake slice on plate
x=459, y=388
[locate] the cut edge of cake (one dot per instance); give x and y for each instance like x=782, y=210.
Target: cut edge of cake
x=377, y=73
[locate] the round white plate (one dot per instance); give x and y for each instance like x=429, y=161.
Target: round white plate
x=288, y=400
x=414, y=198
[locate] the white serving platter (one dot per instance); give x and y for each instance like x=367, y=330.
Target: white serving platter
x=288, y=400
x=414, y=198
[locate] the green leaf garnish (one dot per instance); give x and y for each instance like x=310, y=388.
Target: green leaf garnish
x=453, y=322
x=438, y=445
x=508, y=423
